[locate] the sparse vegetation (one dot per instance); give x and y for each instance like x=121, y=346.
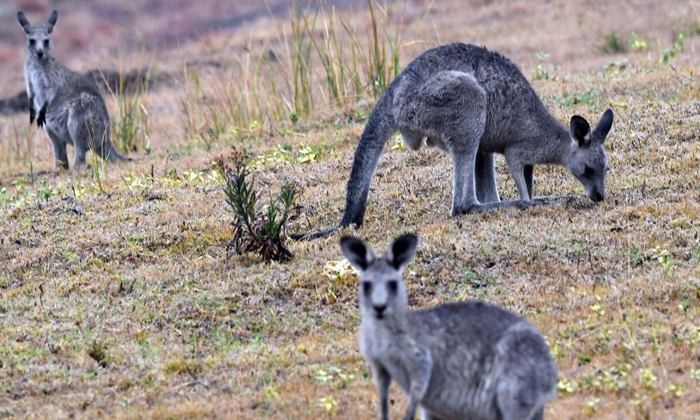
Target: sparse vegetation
x=677, y=47
x=130, y=125
x=613, y=44
x=636, y=43
x=260, y=231
x=540, y=72
x=259, y=91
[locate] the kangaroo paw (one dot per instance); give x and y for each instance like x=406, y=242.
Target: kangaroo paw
x=460, y=211
x=41, y=119
x=32, y=115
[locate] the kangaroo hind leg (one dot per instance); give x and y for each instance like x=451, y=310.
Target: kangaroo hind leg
x=530, y=180
x=59, y=150
x=451, y=106
x=87, y=133
x=485, y=171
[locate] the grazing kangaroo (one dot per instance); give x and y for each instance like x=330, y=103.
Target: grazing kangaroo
x=472, y=103
x=459, y=361
x=71, y=109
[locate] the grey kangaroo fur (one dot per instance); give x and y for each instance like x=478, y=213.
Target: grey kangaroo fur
x=459, y=361
x=472, y=103
x=70, y=107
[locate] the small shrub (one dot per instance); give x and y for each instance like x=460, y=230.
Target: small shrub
x=399, y=145
x=259, y=231
x=589, y=98
x=329, y=405
x=564, y=387
x=675, y=390
x=4, y=196
x=591, y=407
x=540, y=72
x=619, y=65
x=613, y=44
x=677, y=47
x=45, y=192
x=637, y=43
x=98, y=352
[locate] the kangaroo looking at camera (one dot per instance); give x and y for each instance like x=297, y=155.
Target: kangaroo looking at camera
x=459, y=361
x=71, y=109
x=472, y=103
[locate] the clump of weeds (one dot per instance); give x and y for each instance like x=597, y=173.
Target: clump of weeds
x=259, y=230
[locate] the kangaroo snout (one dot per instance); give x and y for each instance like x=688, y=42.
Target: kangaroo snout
x=379, y=310
x=596, y=196
x=40, y=54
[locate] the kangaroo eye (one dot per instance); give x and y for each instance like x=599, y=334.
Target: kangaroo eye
x=588, y=172
x=46, y=42
x=367, y=287
x=32, y=42
x=393, y=286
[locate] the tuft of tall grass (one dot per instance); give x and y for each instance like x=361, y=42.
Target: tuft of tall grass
x=130, y=127
x=98, y=165
x=300, y=61
x=327, y=65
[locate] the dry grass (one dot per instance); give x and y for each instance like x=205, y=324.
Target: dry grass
x=120, y=301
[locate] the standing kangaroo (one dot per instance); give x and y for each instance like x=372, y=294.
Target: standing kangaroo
x=460, y=361
x=472, y=103
x=71, y=109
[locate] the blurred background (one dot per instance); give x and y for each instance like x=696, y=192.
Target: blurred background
x=567, y=28
x=253, y=51
x=150, y=24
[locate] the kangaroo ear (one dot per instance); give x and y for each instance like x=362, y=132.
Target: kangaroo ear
x=357, y=252
x=402, y=251
x=603, y=128
x=24, y=21
x=580, y=130
x=52, y=20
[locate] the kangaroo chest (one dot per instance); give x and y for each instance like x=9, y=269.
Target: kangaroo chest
x=44, y=89
x=381, y=349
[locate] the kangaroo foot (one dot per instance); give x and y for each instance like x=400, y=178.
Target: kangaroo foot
x=313, y=235
x=478, y=208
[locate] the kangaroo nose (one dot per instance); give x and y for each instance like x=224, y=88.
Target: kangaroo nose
x=379, y=309
x=40, y=54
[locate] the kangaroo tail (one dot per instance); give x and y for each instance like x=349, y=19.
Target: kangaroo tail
x=113, y=156
x=313, y=235
x=380, y=127
x=108, y=152
x=94, y=128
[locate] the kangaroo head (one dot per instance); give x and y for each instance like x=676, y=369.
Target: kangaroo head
x=588, y=162
x=382, y=290
x=39, y=42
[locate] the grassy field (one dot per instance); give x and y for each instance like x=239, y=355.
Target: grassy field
x=118, y=298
